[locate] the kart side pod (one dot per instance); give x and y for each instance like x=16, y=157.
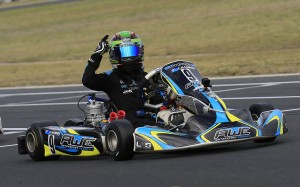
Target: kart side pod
x=272, y=123
x=46, y=140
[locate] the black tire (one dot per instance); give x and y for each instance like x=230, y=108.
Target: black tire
x=119, y=140
x=34, y=142
x=256, y=110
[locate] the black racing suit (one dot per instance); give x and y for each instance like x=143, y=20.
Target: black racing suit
x=121, y=89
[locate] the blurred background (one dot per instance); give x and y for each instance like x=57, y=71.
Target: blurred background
x=48, y=42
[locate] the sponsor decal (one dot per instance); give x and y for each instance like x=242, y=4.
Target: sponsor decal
x=143, y=145
x=52, y=132
x=232, y=133
x=182, y=65
x=126, y=41
x=130, y=87
x=127, y=92
x=191, y=84
x=188, y=85
x=51, y=144
x=123, y=86
x=175, y=69
x=189, y=75
x=77, y=142
x=133, y=83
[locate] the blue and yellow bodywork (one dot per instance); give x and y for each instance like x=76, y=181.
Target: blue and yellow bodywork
x=227, y=125
x=227, y=128
x=71, y=141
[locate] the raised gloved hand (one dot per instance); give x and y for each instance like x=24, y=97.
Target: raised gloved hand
x=101, y=49
x=102, y=46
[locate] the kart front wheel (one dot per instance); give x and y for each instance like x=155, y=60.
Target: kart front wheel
x=34, y=143
x=119, y=139
x=256, y=110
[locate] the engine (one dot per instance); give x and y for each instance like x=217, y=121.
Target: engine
x=95, y=112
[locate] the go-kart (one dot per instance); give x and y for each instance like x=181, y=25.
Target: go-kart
x=191, y=116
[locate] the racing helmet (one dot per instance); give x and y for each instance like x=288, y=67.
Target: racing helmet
x=126, y=51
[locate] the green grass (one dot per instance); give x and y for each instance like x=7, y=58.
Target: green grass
x=223, y=37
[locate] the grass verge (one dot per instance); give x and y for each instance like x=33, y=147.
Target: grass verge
x=50, y=44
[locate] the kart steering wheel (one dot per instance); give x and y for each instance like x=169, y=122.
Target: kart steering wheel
x=146, y=82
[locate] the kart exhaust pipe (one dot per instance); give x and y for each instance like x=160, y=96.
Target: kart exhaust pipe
x=113, y=116
x=120, y=115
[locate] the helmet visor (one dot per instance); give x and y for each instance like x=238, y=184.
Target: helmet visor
x=129, y=51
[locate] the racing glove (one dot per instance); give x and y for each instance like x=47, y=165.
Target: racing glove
x=100, y=50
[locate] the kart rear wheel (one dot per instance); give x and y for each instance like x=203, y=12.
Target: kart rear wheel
x=256, y=110
x=119, y=139
x=34, y=143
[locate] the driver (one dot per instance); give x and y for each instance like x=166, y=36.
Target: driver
x=126, y=55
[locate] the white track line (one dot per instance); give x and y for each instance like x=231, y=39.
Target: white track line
x=251, y=85
x=47, y=100
x=256, y=83
x=244, y=88
x=13, y=132
x=255, y=76
x=45, y=93
x=15, y=129
x=8, y=145
x=40, y=104
x=288, y=110
x=42, y=87
x=272, y=97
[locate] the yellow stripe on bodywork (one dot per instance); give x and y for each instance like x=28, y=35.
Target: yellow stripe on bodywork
x=155, y=145
x=173, y=88
x=203, y=135
x=95, y=152
x=47, y=151
x=154, y=133
x=232, y=117
x=278, y=123
x=222, y=103
x=72, y=131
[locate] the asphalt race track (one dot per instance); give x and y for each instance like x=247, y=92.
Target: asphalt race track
x=240, y=164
